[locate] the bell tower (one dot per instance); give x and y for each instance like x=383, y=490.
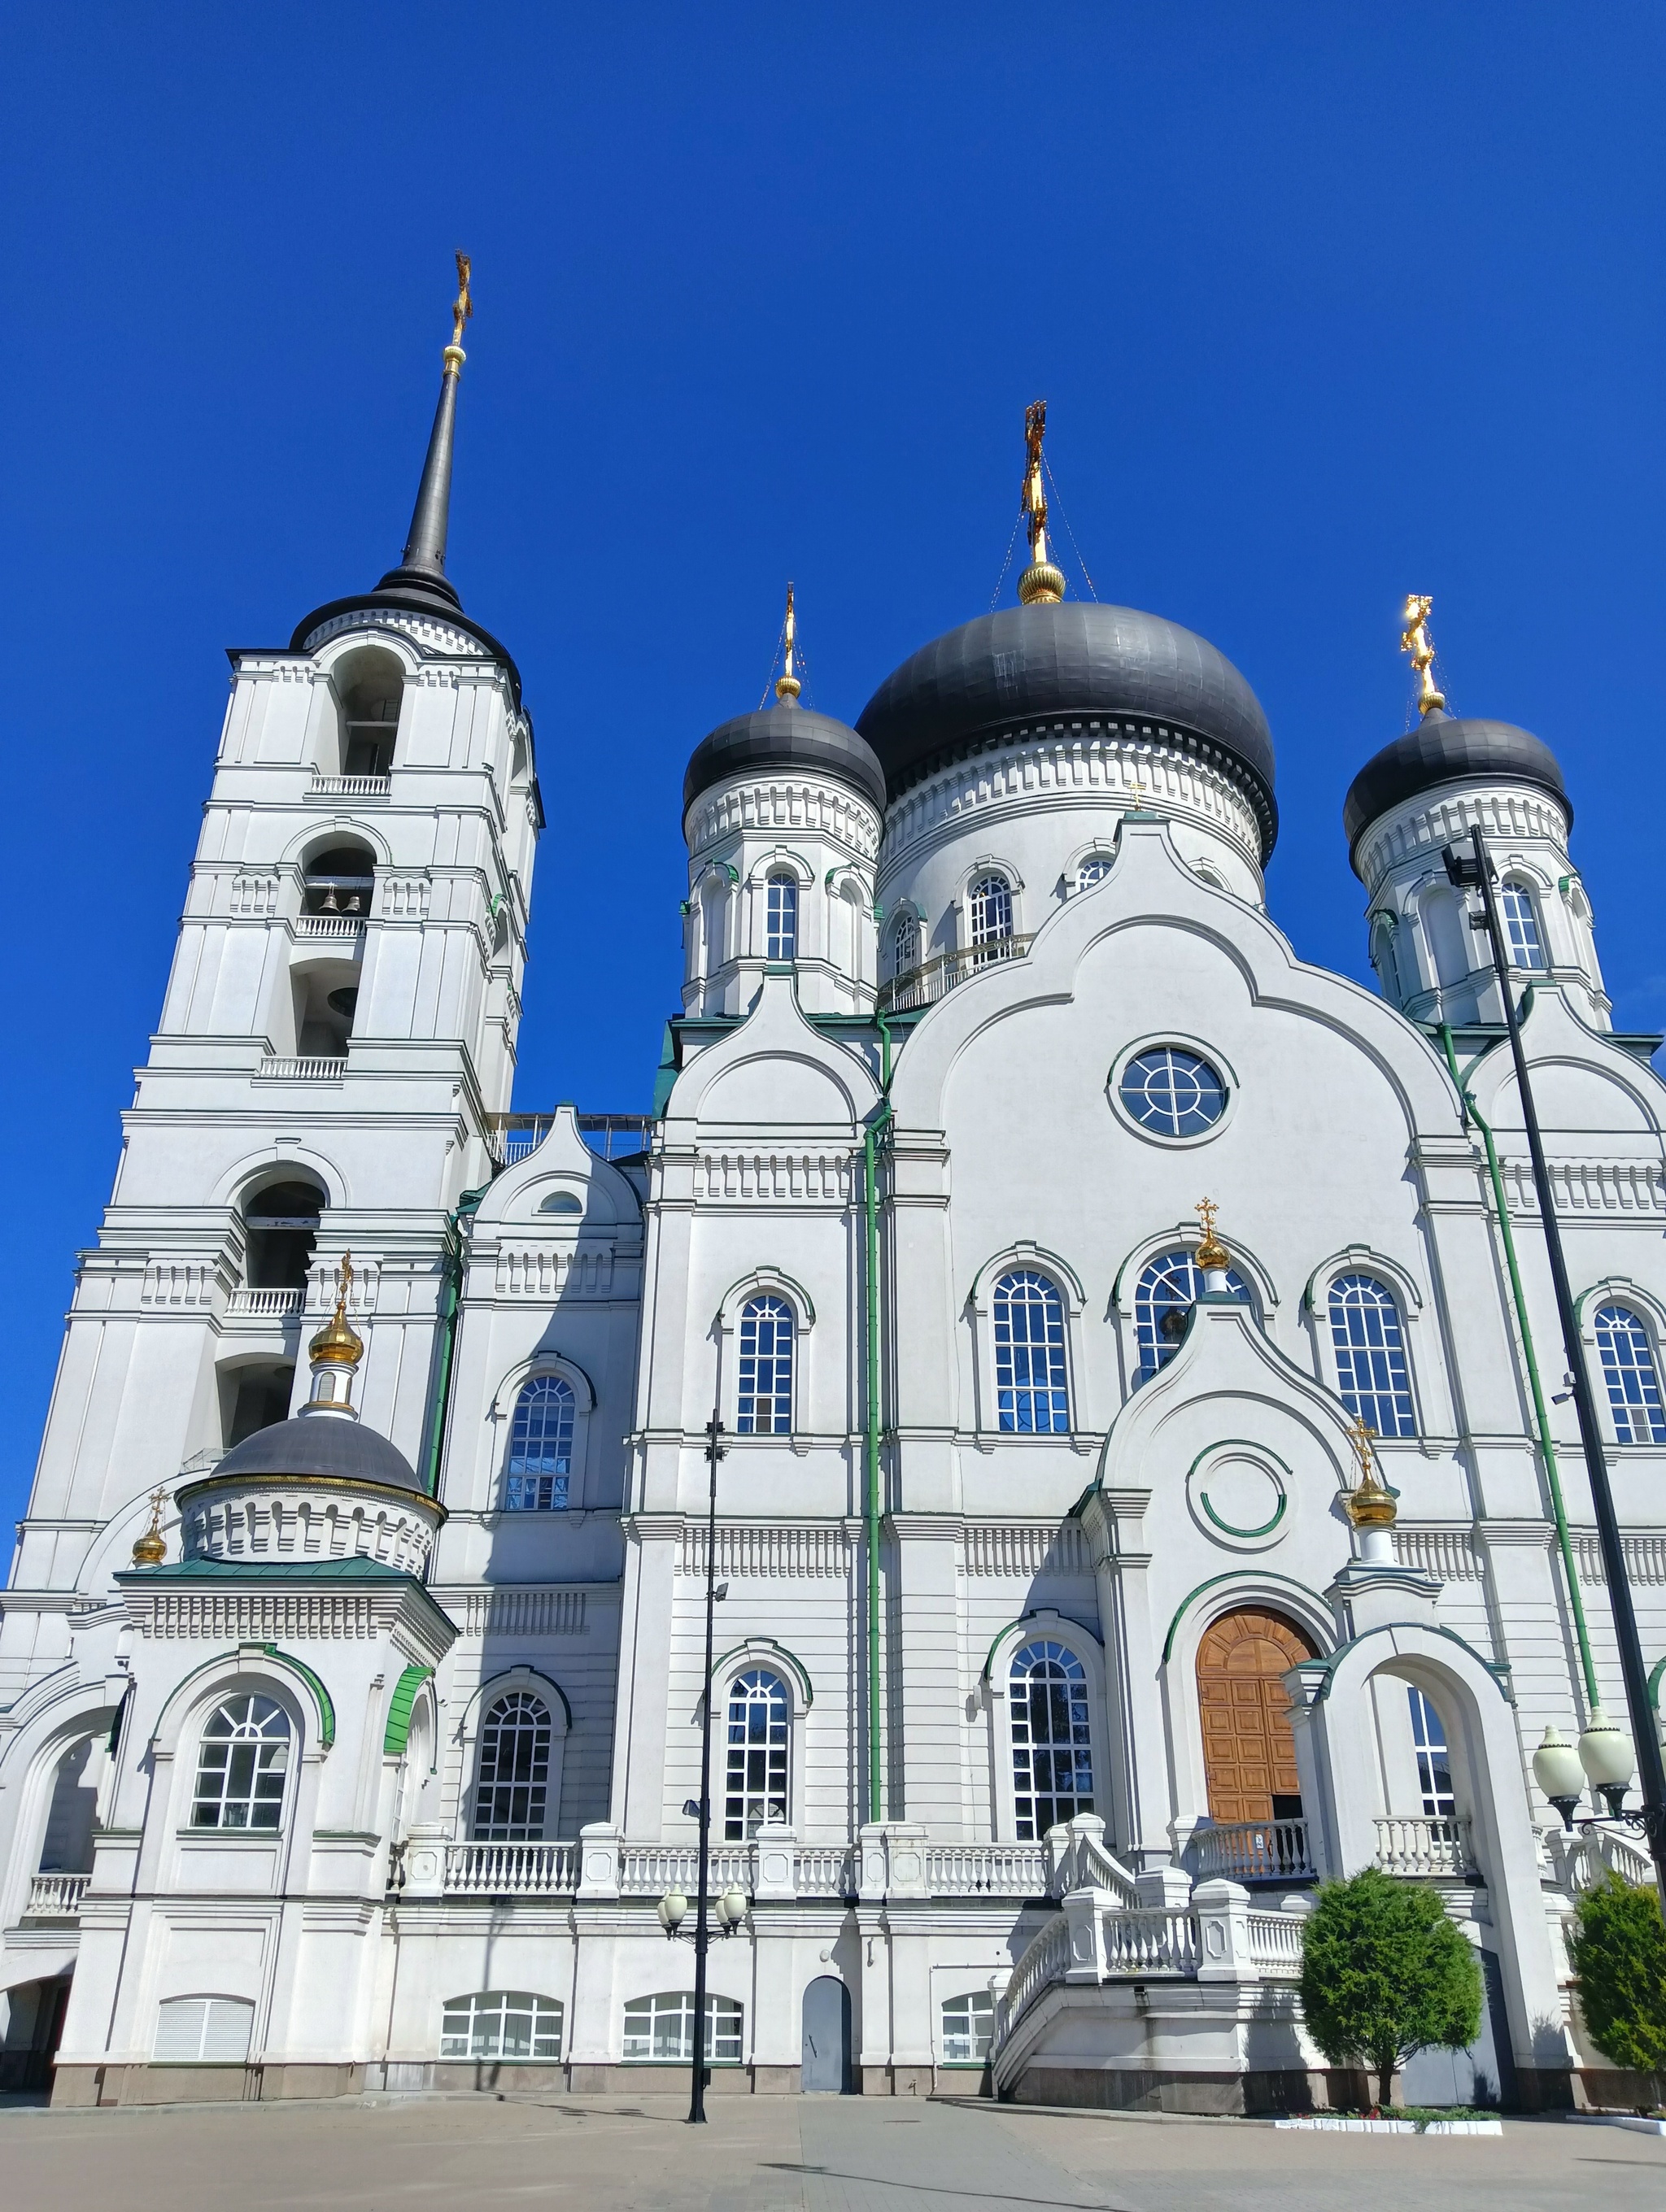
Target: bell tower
x=336, y=1038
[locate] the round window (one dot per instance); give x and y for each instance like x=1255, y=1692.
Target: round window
x=1172, y=1092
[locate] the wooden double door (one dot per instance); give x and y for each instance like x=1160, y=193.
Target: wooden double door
x=1249, y=1753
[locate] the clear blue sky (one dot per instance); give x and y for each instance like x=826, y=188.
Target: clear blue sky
x=1328, y=304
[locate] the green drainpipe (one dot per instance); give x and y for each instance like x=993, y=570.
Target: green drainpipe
x=1542, y=1418
x=876, y=1801
x=450, y=1299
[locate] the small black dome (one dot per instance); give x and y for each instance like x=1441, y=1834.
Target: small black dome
x=1076, y=659
x=1449, y=748
x=326, y=1445
x=784, y=736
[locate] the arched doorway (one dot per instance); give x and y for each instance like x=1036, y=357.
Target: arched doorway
x=1249, y=1753
x=826, y=2053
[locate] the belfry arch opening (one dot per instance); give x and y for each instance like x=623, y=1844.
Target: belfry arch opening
x=369, y=687
x=280, y=1229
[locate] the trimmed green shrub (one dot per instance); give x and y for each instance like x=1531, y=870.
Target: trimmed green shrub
x=1618, y=1948
x=1385, y=1973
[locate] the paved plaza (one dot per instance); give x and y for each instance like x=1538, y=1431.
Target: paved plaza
x=768, y=2155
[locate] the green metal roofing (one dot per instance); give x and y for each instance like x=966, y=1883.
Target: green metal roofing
x=397, y=1734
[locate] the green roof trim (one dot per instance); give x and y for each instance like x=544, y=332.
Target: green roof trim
x=397, y=1734
x=1654, y=1683
x=326, y=1711
x=1234, y=1574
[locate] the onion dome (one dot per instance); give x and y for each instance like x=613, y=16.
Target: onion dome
x=784, y=736
x=1449, y=748
x=311, y=1451
x=1079, y=662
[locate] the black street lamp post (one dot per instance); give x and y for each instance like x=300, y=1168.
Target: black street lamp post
x=701, y=1925
x=1476, y=874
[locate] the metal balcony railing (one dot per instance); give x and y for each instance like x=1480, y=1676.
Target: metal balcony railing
x=935, y=979
x=510, y=1137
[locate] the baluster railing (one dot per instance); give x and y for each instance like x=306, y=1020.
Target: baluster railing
x=1421, y=1844
x=1254, y=1851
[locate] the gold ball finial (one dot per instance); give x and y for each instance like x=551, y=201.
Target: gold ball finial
x=338, y=1344
x=1369, y=1504
x=150, y=1550
x=1211, y=1254
x=1040, y=584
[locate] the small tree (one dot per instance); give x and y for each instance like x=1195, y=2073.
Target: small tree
x=1385, y=1973
x=1618, y=1948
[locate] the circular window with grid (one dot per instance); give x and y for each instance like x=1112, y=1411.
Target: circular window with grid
x=1172, y=1091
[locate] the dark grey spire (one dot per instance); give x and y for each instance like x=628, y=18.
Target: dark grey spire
x=422, y=569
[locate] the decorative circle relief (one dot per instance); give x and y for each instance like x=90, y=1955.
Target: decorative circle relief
x=1239, y=1495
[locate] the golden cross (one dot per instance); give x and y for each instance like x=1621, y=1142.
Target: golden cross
x=1034, y=500
x=343, y=1285
x=1359, y=1436
x=463, y=305
x=158, y=1506
x=1415, y=639
x=1207, y=1210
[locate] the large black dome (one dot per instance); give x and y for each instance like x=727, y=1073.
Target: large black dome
x=1076, y=660
x=1449, y=748
x=786, y=736
x=328, y=1446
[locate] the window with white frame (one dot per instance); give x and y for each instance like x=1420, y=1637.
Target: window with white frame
x=202, y=2030
x=661, y=2027
x=905, y=944
x=1165, y=1293
x=511, y=1798
x=968, y=2027
x=500, y=2024
x=541, y=1446
x=1372, y=1377
x=1633, y=1380
x=754, y=1778
x=1093, y=870
x=782, y=932
x=1434, y=1766
x=1031, y=1394
x=990, y=912
x=1521, y=927
x=764, y=1399
x=241, y=1763
x=1052, y=1738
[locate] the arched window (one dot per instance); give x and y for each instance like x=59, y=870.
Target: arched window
x=1434, y=1766
x=1164, y=1295
x=1093, y=870
x=968, y=2027
x=905, y=944
x=1521, y=927
x=781, y=941
x=500, y=2024
x=1384, y=957
x=1628, y=1369
x=541, y=1446
x=1052, y=1742
x=340, y=880
x=755, y=1781
x=661, y=2028
x=765, y=1397
x=989, y=911
x=1371, y=1374
x=240, y=1766
x=1031, y=1394
x=510, y=1797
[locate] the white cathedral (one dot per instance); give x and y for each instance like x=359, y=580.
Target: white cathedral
x=1099, y=1569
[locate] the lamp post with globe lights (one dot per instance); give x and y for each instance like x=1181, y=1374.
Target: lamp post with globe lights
x=1602, y=1754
